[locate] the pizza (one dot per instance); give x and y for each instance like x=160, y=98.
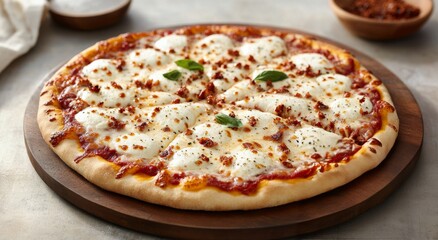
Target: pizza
x=217, y=117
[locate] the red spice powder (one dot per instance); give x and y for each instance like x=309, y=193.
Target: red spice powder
x=383, y=9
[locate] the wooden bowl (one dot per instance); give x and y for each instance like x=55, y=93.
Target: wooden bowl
x=90, y=20
x=376, y=29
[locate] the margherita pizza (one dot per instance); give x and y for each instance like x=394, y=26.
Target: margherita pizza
x=217, y=117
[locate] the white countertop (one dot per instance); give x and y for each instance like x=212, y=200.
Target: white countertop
x=29, y=209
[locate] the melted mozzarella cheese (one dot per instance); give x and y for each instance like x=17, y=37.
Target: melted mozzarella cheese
x=263, y=49
x=177, y=43
x=140, y=145
x=306, y=86
x=164, y=83
x=148, y=99
x=334, y=84
x=100, y=70
x=222, y=85
x=309, y=140
x=149, y=58
x=108, y=96
x=191, y=159
x=216, y=132
x=269, y=102
x=212, y=47
x=195, y=88
x=349, y=109
x=225, y=77
x=129, y=140
x=317, y=62
x=238, y=91
x=247, y=164
x=178, y=116
x=96, y=119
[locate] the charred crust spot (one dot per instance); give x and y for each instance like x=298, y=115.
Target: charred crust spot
x=384, y=106
x=346, y=68
x=376, y=83
x=375, y=142
x=393, y=127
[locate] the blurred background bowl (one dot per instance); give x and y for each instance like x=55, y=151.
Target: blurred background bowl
x=90, y=20
x=378, y=29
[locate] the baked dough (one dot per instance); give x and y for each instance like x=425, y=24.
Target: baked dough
x=110, y=114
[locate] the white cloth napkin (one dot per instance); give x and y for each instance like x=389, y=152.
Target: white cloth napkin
x=19, y=25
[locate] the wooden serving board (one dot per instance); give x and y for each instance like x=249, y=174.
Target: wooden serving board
x=306, y=216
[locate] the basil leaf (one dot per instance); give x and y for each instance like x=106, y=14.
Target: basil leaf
x=227, y=120
x=189, y=64
x=271, y=75
x=172, y=75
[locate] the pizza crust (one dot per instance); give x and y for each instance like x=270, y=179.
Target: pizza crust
x=270, y=193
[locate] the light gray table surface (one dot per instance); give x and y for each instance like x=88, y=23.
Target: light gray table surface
x=29, y=209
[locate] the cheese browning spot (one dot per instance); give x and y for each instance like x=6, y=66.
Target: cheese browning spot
x=207, y=142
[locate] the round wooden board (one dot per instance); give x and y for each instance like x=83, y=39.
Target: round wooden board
x=306, y=216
